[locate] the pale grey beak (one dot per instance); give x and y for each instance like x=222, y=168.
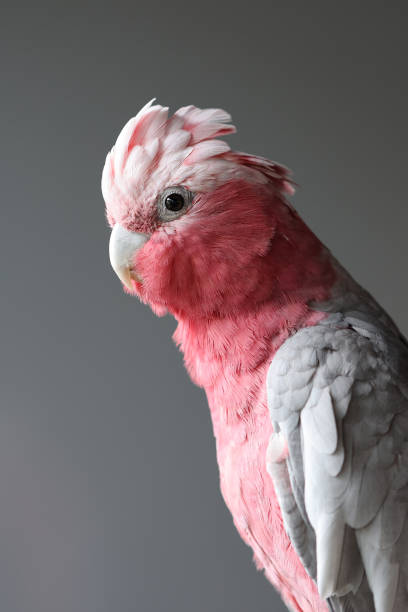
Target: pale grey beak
x=123, y=246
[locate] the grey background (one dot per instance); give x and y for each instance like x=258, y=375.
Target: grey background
x=109, y=485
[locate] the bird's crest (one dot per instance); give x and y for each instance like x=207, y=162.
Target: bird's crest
x=153, y=148
x=154, y=151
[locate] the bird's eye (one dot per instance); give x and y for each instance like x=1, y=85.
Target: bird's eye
x=174, y=202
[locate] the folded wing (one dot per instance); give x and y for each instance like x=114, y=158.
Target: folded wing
x=337, y=398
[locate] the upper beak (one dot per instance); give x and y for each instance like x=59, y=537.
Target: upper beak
x=123, y=246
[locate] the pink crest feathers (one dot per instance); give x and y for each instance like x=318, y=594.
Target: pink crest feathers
x=154, y=151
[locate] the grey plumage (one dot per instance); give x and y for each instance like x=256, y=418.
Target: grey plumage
x=338, y=395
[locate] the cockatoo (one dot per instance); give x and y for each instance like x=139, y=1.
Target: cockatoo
x=306, y=376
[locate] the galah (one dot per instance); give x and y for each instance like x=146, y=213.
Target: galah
x=306, y=376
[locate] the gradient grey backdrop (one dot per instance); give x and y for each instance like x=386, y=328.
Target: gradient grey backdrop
x=109, y=497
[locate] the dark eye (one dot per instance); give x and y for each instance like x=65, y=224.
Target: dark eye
x=174, y=202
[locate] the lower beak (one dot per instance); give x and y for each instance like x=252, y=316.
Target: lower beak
x=123, y=246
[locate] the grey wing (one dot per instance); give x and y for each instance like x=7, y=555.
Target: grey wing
x=339, y=461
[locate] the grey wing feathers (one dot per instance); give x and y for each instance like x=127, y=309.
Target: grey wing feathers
x=336, y=396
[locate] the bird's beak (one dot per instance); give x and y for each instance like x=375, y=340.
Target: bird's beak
x=123, y=246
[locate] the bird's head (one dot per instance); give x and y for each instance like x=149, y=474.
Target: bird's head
x=193, y=223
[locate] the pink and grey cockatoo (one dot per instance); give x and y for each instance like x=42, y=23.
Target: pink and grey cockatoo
x=306, y=376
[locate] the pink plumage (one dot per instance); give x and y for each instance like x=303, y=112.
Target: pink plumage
x=242, y=274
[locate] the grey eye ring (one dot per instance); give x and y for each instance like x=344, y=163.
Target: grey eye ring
x=173, y=202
